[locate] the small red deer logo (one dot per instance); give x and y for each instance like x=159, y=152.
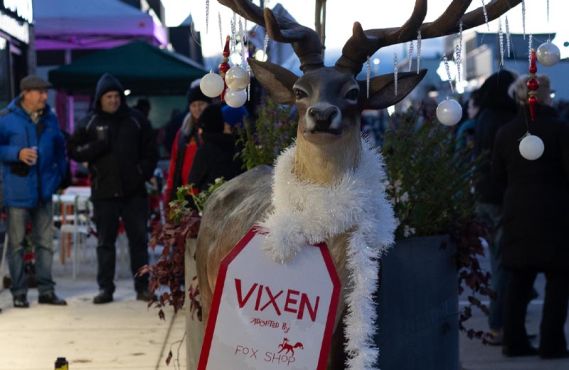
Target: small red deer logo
x=286, y=346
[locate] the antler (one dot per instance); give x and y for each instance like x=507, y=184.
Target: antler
x=365, y=43
x=305, y=41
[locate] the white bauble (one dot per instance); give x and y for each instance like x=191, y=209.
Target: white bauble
x=235, y=98
x=449, y=112
x=212, y=85
x=548, y=54
x=237, y=78
x=531, y=147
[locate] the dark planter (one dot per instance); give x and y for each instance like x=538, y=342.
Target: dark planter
x=418, y=306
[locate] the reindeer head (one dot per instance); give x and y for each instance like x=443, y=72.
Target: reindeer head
x=330, y=99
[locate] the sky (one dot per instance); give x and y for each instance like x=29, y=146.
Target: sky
x=371, y=14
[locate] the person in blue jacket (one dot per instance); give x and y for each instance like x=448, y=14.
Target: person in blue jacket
x=32, y=151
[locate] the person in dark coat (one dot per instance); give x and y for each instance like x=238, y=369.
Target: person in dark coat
x=216, y=157
x=496, y=109
x=535, y=222
x=118, y=144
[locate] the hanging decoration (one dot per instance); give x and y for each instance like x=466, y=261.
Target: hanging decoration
x=368, y=76
x=485, y=11
x=501, y=41
x=211, y=85
x=532, y=84
x=235, y=98
x=206, y=16
x=237, y=78
x=410, y=55
x=524, y=18
x=548, y=54
x=244, y=36
x=220, y=29
x=531, y=146
x=233, y=38
x=548, y=11
x=395, y=73
x=530, y=43
x=449, y=76
x=266, y=46
x=418, y=51
x=458, y=53
x=449, y=111
x=508, y=39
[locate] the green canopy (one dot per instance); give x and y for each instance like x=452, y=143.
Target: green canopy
x=140, y=67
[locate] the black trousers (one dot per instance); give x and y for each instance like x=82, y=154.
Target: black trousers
x=551, y=335
x=134, y=214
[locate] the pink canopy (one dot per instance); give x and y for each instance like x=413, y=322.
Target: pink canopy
x=89, y=24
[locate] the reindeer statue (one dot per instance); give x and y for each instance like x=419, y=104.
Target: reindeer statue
x=328, y=151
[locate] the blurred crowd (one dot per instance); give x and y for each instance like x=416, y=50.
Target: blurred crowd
x=116, y=150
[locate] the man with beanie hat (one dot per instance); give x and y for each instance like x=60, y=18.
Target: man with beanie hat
x=186, y=142
x=118, y=144
x=32, y=152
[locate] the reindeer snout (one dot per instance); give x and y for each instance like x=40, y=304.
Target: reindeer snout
x=326, y=119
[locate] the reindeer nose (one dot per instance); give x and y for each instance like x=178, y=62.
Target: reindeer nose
x=323, y=117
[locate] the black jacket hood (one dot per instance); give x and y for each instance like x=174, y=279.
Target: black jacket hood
x=107, y=83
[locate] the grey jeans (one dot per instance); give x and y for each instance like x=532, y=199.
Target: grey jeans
x=41, y=219
x=491, y=214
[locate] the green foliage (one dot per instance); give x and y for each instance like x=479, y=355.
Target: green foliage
x=431, y=187
x=263, y=140
x=430, y=183
x=180, y=206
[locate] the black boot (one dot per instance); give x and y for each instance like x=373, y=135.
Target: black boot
x=52, y=299
x=103, y=297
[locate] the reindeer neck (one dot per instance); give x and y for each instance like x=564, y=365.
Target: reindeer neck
x=326, y=164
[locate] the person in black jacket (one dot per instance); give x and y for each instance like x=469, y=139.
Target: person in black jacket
x=216, y=157
x=496, y=109
x=118, y=144
x=535, y=222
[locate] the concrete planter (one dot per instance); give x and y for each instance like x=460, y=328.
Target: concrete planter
x=418, y=306
x=194, y=328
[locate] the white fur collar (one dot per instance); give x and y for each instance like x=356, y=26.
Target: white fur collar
x=305, y=212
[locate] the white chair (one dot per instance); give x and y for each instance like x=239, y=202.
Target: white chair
x=74, y=218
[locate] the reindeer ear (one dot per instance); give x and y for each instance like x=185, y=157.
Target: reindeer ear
x=382, y=89
x=278, y=80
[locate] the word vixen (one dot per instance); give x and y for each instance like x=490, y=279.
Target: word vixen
x=291, y=301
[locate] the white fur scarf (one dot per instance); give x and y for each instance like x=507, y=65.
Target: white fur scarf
x=305, y=212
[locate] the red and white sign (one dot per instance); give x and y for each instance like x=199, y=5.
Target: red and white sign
x=266, y=315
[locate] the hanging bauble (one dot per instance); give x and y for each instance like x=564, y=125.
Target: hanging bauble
x=235, y=98
x=531, y=147
x=449, y=112
x=237, y=78
x=548, y=54
x=212, y=85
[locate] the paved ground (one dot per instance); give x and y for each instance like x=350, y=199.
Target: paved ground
x=127, y=335
x=124, y=334
x=476, y=356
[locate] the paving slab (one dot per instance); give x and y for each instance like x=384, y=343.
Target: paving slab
x=124, y=334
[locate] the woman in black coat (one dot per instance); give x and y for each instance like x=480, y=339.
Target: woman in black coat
x=216, y=157
x=535, y=222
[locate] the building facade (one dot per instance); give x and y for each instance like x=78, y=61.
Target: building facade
x=17, y=54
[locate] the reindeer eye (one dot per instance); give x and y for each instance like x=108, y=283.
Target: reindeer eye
x=299, y=94
x=353, y=94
